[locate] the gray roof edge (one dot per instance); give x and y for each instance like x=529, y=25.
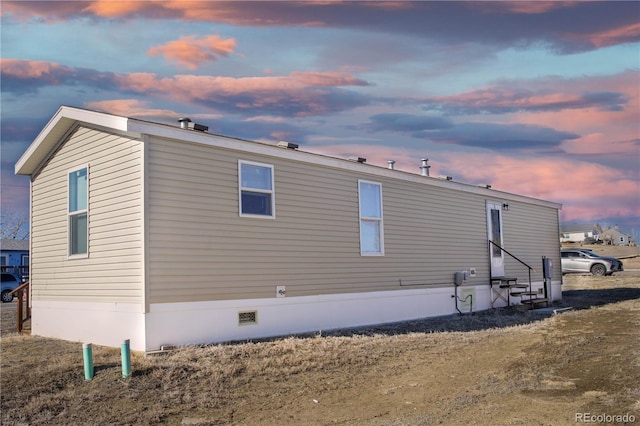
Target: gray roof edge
x=14, y=245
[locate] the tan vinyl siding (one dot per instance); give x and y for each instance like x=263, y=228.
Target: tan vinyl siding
x=527, y=232
x=201, y=249
x=113, y=270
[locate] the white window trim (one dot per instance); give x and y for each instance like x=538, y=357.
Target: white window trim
x=264, y=191
x=377, y=219
x=77, y=212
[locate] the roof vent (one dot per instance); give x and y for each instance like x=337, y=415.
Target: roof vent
x=358, y=159
x=424, y=167
x=198, y=127
x=288, y=145
x=186, y=123
x=392, y=164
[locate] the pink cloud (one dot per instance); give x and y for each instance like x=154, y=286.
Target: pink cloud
x=624, y=34
x=622, y=131
x=477, y=22
x=129, y=108
x=194, y=86
x=299, y=93
x=25, y=69
x=586, y=190
x=524, y=7
x=543, y=94
x=302, y=93
x=311, y=78
x=190, y=52
x=114, y=9
x=48, y=10
x=138, y=108
x=583, y=106
x=503, y=99
x=265, y=119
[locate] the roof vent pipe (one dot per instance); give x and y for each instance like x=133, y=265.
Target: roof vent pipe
x=184, y=122
x=424, y=168
x=288, y=145
x=391, y=164
x=357, y=159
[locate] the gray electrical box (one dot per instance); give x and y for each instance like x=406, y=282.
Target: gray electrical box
x=547, y=268
x=458, y=278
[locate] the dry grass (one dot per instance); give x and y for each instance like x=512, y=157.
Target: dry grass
x=502, y=366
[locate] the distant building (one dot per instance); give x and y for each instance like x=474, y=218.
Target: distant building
x=14, y=256
x=614, y=237
x=580, y=233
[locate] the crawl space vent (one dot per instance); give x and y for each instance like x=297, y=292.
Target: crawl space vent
x=246, y=318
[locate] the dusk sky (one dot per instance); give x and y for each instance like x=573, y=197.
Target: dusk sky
x=536, y=98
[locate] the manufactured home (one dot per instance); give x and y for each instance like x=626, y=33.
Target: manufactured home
x=580, y=233
x=169, y=235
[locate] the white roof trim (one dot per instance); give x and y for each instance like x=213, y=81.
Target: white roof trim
x=59, y=125
x=68, y=117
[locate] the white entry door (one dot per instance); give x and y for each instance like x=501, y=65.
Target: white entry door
x=494, y=231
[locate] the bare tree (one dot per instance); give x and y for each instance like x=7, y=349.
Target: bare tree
x=14, y=226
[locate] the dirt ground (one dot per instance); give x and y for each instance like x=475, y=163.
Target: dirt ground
x=502, y=367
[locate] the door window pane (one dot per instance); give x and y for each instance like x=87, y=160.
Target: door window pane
x=496, y=236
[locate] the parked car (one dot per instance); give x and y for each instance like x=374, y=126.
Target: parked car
x=586, y=261
x=9, y=283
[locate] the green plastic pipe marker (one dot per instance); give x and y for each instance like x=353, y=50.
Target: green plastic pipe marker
x=87, y=353
x=126, y=359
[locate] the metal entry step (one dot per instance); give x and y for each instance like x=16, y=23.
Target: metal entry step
x=534, y=302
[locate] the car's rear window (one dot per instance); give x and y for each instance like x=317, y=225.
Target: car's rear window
x=7, y=277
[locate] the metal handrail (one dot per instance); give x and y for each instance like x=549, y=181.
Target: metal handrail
x=529, y=267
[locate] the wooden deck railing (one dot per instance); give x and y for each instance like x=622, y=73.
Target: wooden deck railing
x=22, y=292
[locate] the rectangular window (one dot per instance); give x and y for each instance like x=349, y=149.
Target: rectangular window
x=256, y=189
x=371, y=229
x=78, y=210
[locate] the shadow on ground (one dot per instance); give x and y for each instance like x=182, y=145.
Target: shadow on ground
x=587, y=298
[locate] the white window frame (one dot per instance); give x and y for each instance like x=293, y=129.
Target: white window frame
x=71, y=214
x=379, y=220
x=271, y=192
